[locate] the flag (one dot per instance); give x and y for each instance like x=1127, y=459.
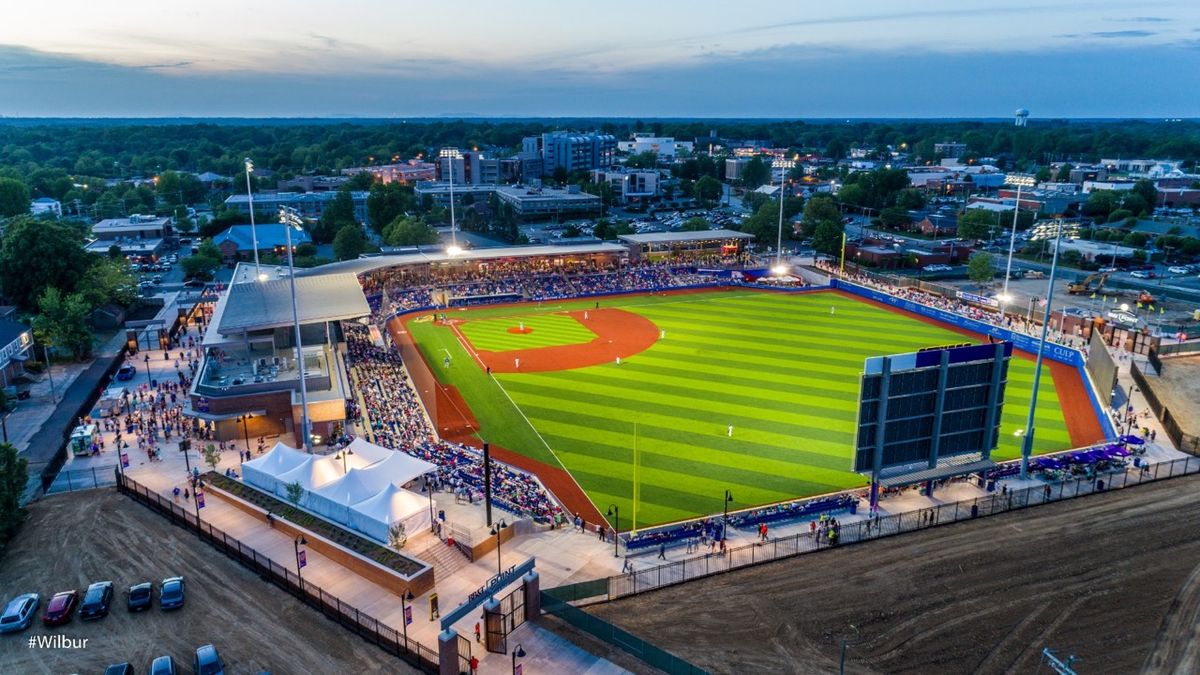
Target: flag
x=1151, y=308
x=1093, y=296
x=1139, y=305
x=1161, y=309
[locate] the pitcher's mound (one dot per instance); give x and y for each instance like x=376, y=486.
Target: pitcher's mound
x=519, y=330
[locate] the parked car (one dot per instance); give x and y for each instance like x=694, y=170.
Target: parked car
x=96, y=601
x=1141, y=274
x=126, y=372
x=18, y=613
x=60, y=608
x=163, y=665
x=119, y=669
x=170, y=593
x=1179, y=269
x=140, y=596
x=208, y=661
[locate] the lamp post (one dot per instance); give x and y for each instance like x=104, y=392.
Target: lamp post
x=1027, y=442
x=496, y=531
x=450, y=155
x=725, y=520
x=615, y=512
x=342, y=455
x=1021, y=181
x=290, y=218
x=146, y=360
x=518, y=653
x=784, y=165
x=296, y=544
x=428, y=487
x=253, y=231
x=404, y=614
x=245, y=431
x=1129, y=404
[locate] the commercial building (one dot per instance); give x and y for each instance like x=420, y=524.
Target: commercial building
x=571, y=152
x=950, y=150
x=469, y=168
x=734, y=167
x=312, y=183
x=309, y=204
x=1151, y=168
x=46, y=206
x=405, y=174
x=663, y=146
x=137, y=235
x=629, y=185
x=237, y=242
x=249, y=368
x=528, y=203
x=16, y=341
x=720, y=244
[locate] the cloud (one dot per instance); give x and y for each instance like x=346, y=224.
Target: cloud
x=1114, y=34
x=1144, y=19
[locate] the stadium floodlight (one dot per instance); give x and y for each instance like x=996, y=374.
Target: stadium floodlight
x=291, y=220
x=779, y=270
x=258, y=273
x=784, y=165
x=451, y=154
x=1021, y=180
x=454, y=250
x=1027, y=441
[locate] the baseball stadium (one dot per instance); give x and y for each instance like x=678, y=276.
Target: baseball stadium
x=660, y=384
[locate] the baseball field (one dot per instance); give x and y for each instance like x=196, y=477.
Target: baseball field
x=687, y=395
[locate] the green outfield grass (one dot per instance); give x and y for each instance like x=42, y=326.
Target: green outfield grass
x=782, y=369
x=547, y=330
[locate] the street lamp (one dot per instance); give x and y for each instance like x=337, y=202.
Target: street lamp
x=450, y=155
x=615, y=512
x=784, y=165
x=1021, y=181
x=246, y=431
x=1027, y=444
x=1129, y=404
x=342, y=455
x=496, y=529
x=146, y=360
x=258, y=274
x=296, y=544
x=518, y=653
x=290, y=218
x=725, y=520
x=404, y=614
x=428, y=487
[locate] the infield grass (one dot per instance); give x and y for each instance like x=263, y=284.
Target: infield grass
x=780, y=368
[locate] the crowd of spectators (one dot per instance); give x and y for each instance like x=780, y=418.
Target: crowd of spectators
x=391, y=415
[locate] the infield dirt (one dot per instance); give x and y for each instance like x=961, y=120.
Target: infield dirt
x=1113, y=579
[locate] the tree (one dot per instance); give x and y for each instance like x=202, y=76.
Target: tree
x=108, y=280
x=1100, y=203
x=350, y=242
x=13, y=476
x=405, y=231
x=1146, y=190
x=696, y=224
x=175, y=188
x=910, y=200
x=62, y=321
x=14, y=197
x=642, y=160
x=397, y=535
x=386, y=202
x=212, y=456
x=363, y=180
x=294, y=491
x=707, y=190
x=975, y=224
x=37, y=255
x=819, y=209
x=894, y=217
x=981, y=267
x=337, y=214
x=1043, y=174
x=1064, y=174
x=200, y=265
x=755, y=173
x=827, y=237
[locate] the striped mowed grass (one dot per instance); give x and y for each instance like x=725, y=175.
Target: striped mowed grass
x=781, y=369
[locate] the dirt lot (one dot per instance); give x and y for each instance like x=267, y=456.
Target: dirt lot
x=1113, y=579
x=72, y=540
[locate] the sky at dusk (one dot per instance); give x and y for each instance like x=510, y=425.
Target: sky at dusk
x=368, y=58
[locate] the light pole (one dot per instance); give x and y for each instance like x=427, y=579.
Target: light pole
x=342, y=455
x=496, y=531
x=50, y=372
x=615, y=512
x=518, y=653
x=725, y=520
x=296, y=544
x=428, y=487
x=1128, y=405
x=1027, y=442
x=1021, y=181
x=404, y=614
x=253, y=230
x=290, y=218
x=784, y=165
x=146, y=360
x=450, y=155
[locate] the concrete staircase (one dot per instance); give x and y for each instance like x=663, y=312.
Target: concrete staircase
x=446, y=560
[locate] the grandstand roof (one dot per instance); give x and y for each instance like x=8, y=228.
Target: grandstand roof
x=668, y=237
x=268, y=304
x=368, y=264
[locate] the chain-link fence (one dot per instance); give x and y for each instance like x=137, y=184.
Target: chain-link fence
x=363, y=625
x=82, y=479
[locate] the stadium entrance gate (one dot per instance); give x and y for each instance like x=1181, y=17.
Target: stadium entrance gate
x=507, y=616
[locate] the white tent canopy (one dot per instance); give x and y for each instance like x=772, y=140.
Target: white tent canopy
x=312, y=474
x=398, y=468
x=334, y=500
x=375, y=516
x=263, y=472
x=369, y=451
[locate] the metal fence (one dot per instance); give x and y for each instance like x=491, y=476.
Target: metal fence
x=363, y=625
x=697, y=567
x=1184, y=441
x=630, y=643
x=84, y=479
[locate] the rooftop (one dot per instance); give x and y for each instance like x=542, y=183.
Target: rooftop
x=363, y=265
x=269, y=235
x=267, y=304
x=666, y=237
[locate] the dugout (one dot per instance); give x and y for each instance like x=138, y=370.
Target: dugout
x=686, y=246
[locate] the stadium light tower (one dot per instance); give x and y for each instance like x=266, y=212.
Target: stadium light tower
x=1027, y=441
x=784, y=165
x=290, y=218
x=1021, y=181
x=253, y=231
x=451, y=154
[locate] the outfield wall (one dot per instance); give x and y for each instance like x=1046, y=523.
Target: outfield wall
x=1027, y=343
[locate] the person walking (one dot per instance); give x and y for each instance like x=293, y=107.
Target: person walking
x=729, y=431
x=662, y=551
x=478, y=635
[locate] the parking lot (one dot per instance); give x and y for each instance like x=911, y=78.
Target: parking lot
x=73, y=540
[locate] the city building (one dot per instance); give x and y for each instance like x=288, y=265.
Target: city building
x=629, y=185
x=663, y=146
x=312, y=183
x=249, y=366
x=1150, y=168
x=405, y=174
x=532, y=203
x=570, y=151
x=137, y=235
x=46, y=206
x=950, y=150
x=1116, y=185
x=439, y=192
x=734, y=167
x=469, y=168
x=16, y=341
x=653, y=246
x=310, y=205
x=237, y=243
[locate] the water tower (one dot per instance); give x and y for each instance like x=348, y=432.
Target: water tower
x=1022, y=117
